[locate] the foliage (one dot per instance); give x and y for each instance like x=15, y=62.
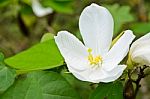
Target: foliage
x=33, y=68
x=40, y=85
x=37, y=58
x=109, y=91
x=7, y=75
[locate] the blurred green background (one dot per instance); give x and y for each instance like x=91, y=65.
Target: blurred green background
x=20, y=28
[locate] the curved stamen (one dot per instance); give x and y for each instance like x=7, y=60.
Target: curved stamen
x=94, y=60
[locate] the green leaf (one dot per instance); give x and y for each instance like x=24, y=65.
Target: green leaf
x=121, y=15
x=141, y=28
x=41, y=85
x=42, y=56
x=62, y=6
x=83, y=88
x=47, y=36
x=7, y=75
x=113, y=90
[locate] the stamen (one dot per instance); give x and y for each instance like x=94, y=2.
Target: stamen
x=94, y=60
x=89, y=50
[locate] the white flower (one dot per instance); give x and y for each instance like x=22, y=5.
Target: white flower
x=39, y=10
x=140, y=50
x=94, y=62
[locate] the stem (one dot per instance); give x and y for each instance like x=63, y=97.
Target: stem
x=140, y=76
x=129, y=92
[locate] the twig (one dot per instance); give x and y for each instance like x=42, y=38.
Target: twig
x=129, y=93
x=140, y=76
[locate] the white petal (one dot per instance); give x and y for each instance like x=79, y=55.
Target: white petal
x=81, y=75
x=119, y=50
x=109, y=76
x=116, y=70
x=140, y=50
x=143, y=38
x=141, y=53
x=97, y=75
x=39, y=10
x=73, y=51
x=114, y=74
x=140, y=42
x=89, y=74
x=96, y=27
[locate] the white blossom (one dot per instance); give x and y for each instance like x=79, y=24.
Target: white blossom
x=94, y=61
x=140, y=50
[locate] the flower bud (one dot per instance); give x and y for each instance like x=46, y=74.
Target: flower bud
x=140, y=50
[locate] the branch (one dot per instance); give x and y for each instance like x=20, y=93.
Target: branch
x=129, y=92
x=140, y=76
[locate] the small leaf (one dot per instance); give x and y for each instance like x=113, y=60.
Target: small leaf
x=47, y=36
x=7, y=75
x=42, y=56
x=113, y=90
x=41, y=85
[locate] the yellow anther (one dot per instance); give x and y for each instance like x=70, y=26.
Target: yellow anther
x=93, y=60
x=90, y=58
x=98, y=59
x=89, y=50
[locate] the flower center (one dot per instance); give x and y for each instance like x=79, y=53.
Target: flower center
x=94, y=60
